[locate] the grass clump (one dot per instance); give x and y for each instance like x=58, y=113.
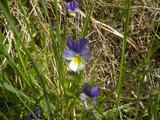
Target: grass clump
x=36, y=56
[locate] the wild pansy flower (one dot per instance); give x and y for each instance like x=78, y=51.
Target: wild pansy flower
x=37, y=113
x=72, y=7
x=77, y=53
x=89, y=96
x=54, y=25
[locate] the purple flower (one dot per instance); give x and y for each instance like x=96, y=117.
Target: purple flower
x=54, y=25
x=89, y=96
x=36, y=112
x=72, y=7
x=77, y=53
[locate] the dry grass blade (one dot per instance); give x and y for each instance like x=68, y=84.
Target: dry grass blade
x=110, y=29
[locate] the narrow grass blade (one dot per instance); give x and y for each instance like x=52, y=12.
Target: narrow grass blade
x=126, y=29
x=87, y=20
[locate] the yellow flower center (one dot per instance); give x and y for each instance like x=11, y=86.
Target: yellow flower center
x=89, y=104
x=77, y=59
x=73, y=13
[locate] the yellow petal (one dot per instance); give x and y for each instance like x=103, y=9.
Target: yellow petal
x=73, y=14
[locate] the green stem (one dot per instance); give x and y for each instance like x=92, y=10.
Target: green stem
x=126, y=29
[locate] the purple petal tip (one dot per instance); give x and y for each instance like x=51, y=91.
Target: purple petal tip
x=94, y=92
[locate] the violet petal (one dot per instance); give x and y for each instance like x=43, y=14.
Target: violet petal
x=76, y=4
x=77, y=11
x=94, y=92
x=71, y=44
x=37, y=112
x=83, y=97
x=72, y=5
x=81, y=44
x=69, y=10
x=67, y=5
x=86, y=88
x=85, y=53
x=69, y=54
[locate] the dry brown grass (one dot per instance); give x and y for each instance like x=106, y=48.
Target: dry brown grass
x=106, y=34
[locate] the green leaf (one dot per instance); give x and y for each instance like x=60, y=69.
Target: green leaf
x=2, y=37
x=87, y=20
x=10, y=88
x=5, y=8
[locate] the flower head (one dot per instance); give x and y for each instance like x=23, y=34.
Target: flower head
x=36, y=112
x=54, y=25
x=89, y=96
x=77, y=53
x=72, y=7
